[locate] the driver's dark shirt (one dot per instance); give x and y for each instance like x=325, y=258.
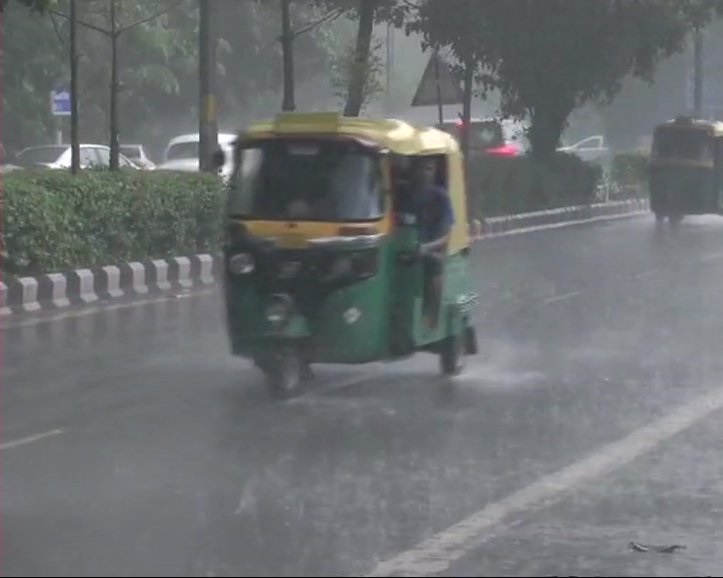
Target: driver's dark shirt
x=435, y=215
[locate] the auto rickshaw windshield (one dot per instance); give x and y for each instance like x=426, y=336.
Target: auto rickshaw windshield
x=684, y=144
x=306, y=179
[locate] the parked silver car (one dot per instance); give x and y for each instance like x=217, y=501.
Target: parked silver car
x=59, y=157
x=137, y=154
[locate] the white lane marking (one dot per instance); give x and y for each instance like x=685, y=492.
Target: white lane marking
x=712, y=257
x=333, y=387
x=646, y=274
x=8, y=322
x=562, y=297
x=436, y=554
x=30, y=439
x=557, y=225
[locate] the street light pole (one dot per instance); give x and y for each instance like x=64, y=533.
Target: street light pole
x=698, y=73
x=74, y=136
x=287, y=47
x=208, y=122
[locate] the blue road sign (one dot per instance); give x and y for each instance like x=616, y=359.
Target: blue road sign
x=60, y=102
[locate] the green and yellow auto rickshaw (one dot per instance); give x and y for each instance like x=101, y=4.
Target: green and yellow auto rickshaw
x=686, y=169
x=321, y=255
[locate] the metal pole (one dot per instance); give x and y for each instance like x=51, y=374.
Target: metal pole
x=440, y=110
x=287, y=46
x=114, y=144
x=388, y=99
x=74, y=136
x=207, y=126
x=469, y=66
x=698, y=73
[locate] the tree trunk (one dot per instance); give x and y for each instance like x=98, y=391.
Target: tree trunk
x=74, y=133
x=287, y=47
x=469, y=66
x=208, y=113
x=698, y=73
x=547, y=125
x=114, y=144
x=360, y=69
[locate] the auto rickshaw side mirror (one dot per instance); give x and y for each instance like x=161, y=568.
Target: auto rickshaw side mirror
x=218, y=159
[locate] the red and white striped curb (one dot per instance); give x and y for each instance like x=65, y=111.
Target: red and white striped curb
x=553, y=218
x=56, y=291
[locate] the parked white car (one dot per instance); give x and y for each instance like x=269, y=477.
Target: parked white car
x=137, y=154
x=4, y=169
x=60, y=156
x=182, y=153
x=591, y=149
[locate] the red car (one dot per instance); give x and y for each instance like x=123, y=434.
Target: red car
x=491, y=137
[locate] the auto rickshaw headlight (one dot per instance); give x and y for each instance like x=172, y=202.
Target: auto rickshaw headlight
x=241, y=264
x=279, y=311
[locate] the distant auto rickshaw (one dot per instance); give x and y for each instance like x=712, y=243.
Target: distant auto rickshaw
x=686, y=169
x=321, y=256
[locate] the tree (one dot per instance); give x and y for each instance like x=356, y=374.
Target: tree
x=287, y=49
x=360, y=67
x=113, y=32
x=30, y=71
x=157, y=65
x=564, y=54
x=36, y=5
x=343, y=71
x=367, y=13
x=287, y=38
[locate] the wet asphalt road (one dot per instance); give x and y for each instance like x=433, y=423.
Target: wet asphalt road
x=161, y=455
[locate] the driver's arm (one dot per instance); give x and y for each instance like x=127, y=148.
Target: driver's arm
x=436, y=245
x=446, y=221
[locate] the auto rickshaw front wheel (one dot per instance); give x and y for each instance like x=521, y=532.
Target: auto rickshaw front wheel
x=673, y=218
x=286, y=371
x=453, y=354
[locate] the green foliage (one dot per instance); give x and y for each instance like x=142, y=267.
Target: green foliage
x=158, y=62
x=564, y=54
x=55, y=221
x=31, y=69
x=630, y=168
x=344, y=65
x=37, y=5
x=393, y=11
x=503, y=186
x=629, y=172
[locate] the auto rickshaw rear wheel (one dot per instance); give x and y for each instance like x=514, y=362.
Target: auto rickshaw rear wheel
x=285, y=372
x=453, y=354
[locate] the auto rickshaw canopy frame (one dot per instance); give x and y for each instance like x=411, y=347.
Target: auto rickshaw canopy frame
x=392, y=135
x=397, y=136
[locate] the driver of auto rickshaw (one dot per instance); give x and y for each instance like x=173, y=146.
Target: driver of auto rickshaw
x=435, y=218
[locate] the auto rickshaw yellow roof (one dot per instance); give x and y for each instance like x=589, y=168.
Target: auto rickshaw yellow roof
x=396, y=135
x=715, y=126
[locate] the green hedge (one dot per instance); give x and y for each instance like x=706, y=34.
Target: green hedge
x=500, y=186
x=630, y=173
x=55, y=221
